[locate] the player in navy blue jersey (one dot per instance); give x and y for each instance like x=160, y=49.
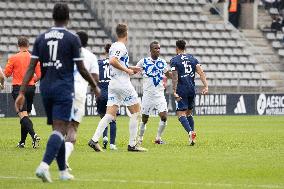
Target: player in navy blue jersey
x=58, y=50
x=183, y=68
x=104, y=77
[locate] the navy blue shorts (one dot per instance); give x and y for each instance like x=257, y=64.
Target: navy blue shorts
x=101, y=105
x=57, y=107
x=186, y=103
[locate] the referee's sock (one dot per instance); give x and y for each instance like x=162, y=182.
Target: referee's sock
x=185, y=124
x=28, y=124
x=24, y=133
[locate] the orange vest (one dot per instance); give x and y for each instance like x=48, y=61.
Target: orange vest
x=233, y=6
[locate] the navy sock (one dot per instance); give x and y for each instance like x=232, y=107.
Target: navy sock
x=28, y=124
x=105, y=132
x=60, y=158
x=53, y=145
x=191, y=122
x=112, y=132
x=185, y=124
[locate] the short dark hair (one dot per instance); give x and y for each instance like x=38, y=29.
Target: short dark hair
x=107, y=47
x=180, y=44
x=60, y=12
x=121, y=30
x=83, y=37
x=23, y=41
x=153, y=43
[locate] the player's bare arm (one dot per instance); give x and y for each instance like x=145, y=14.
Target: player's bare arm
x=169, y=74
x=202, y=75
x=96, y=77
x=175, y=82
x=115, y=63
x=88, y=77
x=28, y=76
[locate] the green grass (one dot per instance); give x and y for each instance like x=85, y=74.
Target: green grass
x=231, y=152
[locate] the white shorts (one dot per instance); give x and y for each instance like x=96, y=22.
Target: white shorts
x=154, y=105
x=122, y=95
x=78, y=108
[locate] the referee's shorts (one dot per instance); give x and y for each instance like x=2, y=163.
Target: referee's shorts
x=29, y=96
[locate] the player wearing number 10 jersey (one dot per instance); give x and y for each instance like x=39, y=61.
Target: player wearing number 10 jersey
x=104, y=79
x=183, y=68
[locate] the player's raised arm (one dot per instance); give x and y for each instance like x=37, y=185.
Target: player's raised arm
x=88, y=77
x=202, y=75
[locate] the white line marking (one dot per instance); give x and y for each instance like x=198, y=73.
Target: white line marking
x=272, y=186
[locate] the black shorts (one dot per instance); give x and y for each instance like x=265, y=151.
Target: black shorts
x=29, y=96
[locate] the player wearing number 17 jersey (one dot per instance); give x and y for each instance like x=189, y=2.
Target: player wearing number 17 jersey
x=57, y=50
x=183, y=68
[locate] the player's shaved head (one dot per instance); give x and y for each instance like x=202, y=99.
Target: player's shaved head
x=83, y=37
x=23, y=41
x=155, y=49
x=60, y=12
x=121, y=30
x=107, y=47
x=180, y=44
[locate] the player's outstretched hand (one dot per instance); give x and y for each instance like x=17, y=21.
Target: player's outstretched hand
x=204, y=90
x=130, y=72
x=19, y=103
x=136, y=69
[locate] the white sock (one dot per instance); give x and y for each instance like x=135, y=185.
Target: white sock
x=69, y=147
x=44, y=165
x=142, y=130
x=161, y=128
x=133, y=128
x=101, y=127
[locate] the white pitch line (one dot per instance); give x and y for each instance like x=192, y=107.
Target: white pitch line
x=267, y=186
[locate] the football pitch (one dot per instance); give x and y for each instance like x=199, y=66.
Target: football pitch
x=231, y=152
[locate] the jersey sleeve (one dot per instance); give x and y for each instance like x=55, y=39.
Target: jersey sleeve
x=173, y=65
x=140, y=63
x=118, y=51
x=94, y=65
x=77, y=49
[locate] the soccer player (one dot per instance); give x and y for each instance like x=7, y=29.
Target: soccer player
x=58, y=50
x=17, y=66
x=183, y=68
x=154, y=70
x=104, y=77
x=120, y=91
x=80, y=88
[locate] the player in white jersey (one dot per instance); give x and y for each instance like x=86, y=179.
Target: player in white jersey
x=80, y=90
x=120, y=92
x=153, y=100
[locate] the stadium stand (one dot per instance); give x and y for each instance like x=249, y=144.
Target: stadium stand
x=221, y=49
x=218, y=45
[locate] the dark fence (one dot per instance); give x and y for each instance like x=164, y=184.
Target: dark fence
x=211, y=104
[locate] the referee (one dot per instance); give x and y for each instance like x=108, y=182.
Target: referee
x=16, y=67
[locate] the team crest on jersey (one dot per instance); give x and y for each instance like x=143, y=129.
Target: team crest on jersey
x=154, y=70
